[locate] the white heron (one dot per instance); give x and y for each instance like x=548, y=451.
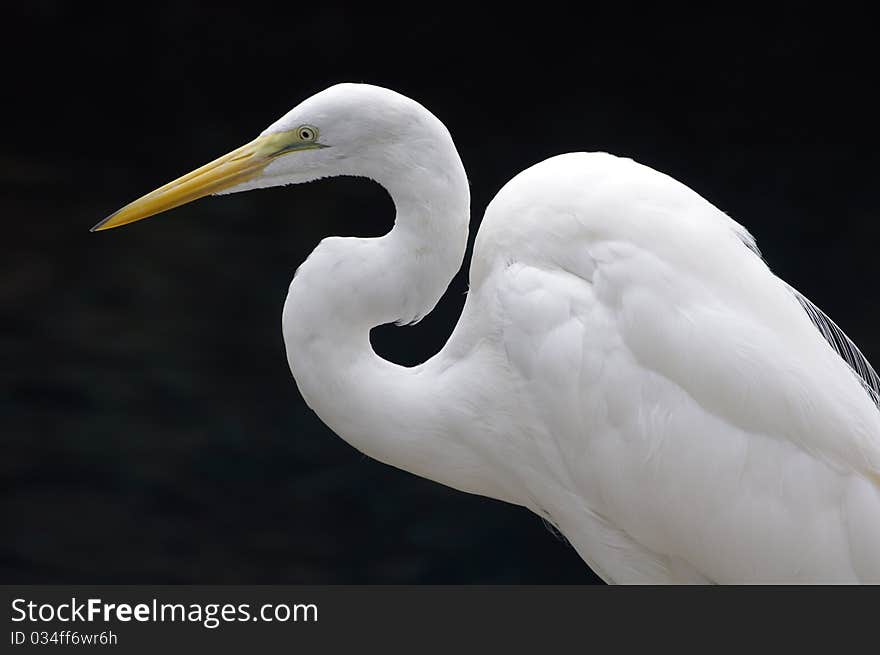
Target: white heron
x=626, y=365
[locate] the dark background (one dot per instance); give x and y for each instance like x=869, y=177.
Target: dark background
x=150, y=428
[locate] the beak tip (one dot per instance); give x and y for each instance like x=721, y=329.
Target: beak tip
x=99, y=226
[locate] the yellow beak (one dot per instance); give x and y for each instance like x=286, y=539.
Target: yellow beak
x=240, y=165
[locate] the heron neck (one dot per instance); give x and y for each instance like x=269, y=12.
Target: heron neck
x=349, y=286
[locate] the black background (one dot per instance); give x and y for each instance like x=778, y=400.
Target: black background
x=150, y=428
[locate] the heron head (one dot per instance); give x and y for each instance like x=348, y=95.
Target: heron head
x=347, y=129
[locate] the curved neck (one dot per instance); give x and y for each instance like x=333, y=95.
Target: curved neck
x=348, y=286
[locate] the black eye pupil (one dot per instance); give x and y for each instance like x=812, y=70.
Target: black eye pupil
x=306, y=134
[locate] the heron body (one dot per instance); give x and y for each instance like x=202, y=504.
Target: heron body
x=626, y=365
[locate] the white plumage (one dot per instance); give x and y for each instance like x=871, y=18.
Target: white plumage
x=626, y=366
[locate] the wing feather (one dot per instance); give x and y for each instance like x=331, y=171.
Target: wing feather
x=843, y=346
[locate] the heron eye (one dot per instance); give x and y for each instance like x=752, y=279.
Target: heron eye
x=307, y=133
